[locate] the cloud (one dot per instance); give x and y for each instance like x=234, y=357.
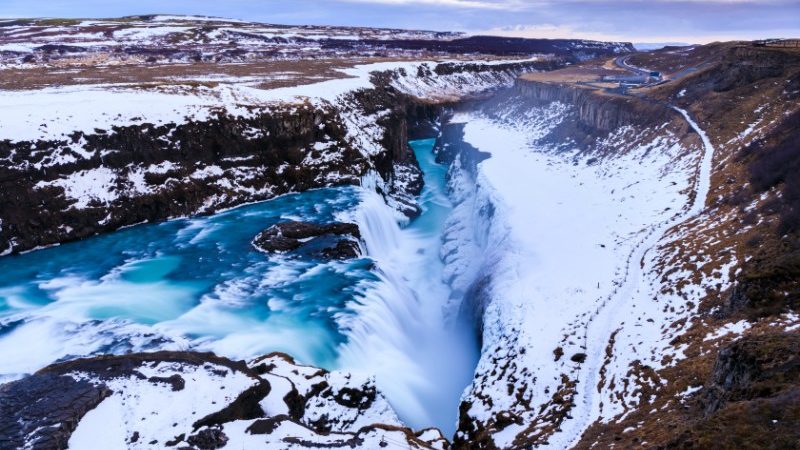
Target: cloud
x=502, y=5
x=552, y=31
x=548, y=31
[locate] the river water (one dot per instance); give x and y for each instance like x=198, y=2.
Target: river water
x=198, y=284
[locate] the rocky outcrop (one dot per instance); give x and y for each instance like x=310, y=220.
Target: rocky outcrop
x=28, y=422
x=743, y=65
x=596, y=110
x=752, y=399
x=333, y=240
x=753, y=367
x=218, y=403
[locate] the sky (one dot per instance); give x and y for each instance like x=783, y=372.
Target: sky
x=689, y=21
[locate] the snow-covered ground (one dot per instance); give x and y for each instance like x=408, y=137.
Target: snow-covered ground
x=160, y=404
x=57, y=112
x=568, y=241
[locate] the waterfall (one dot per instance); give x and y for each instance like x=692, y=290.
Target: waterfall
x=397, y=330
x=379, y=229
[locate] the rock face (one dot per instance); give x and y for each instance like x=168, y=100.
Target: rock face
x=754, y=367
x=752, y=399
x=521, y=394
x=743, y=65
x=25, y=420
x=150, y=173
x=68, y=187
x=199, y=401
x=334, y=240
x=596, y=111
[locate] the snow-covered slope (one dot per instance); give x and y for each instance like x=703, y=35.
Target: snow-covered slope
x=165, y=399
x=559, y=247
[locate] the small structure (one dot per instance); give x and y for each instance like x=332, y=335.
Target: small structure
x=782, y=43
x=627, y=79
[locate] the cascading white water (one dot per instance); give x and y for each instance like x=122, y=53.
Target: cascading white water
x=421, y=360
x=379, y=228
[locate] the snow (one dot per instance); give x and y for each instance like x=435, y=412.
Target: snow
x=56, y=112
x=148, y=32
x=691, y=390
x=456, y=85
x=567, y=240
x=64, y=110
x=158, y=413
x=87, y=186
x=293, y=436
x=735, y=328
x=169, y=18
x=21, y=48
x=155, y=410
x=287, y=375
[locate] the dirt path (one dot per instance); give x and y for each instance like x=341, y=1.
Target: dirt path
x=606, y=318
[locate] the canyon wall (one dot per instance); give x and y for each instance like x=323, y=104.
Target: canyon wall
x=596, y=111
x=703, y=305
x=98, y=180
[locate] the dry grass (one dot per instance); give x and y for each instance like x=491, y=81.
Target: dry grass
x=671, y=60
x=734, y=227
x=270, y=74
x=588, y=72
x=106, y=69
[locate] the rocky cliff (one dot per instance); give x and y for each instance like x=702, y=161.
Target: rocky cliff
x=734, y=383
x=96, y=180
x=668, y=370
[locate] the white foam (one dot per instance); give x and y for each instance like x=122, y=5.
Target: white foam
x=399, y=330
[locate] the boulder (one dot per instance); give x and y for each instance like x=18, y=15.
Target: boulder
x=331, y=241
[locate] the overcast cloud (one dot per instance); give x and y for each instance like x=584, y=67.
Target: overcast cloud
x=695, y=21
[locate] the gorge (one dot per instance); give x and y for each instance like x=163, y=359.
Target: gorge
x=541, y=262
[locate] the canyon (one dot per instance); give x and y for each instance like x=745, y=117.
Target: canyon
x=533, y=260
